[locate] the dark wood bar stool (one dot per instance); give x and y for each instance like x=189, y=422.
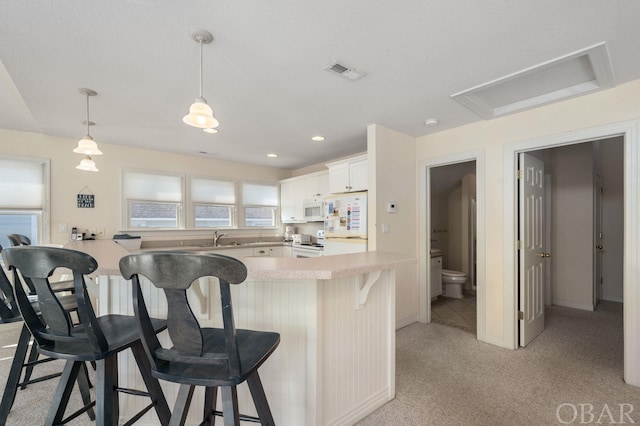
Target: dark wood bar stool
x=209, y=357
x=98, y=339
x=18, y=240
x=9, y=313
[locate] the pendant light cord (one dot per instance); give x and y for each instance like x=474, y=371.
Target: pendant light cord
x=201, y=69
x=87, y=95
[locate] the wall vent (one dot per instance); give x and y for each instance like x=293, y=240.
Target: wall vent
x=344, y=71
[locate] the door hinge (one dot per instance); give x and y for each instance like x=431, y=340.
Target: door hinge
x=520, y=315
x=519, y=174
x=519, y=244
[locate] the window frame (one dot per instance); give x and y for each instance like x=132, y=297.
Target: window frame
x=186, y=209
x=126, y=202
x=192, y=204
x=243, y=207
x=43, y=227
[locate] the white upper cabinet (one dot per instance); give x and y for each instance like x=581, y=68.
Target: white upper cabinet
x=292, y=194
x=316, y=184
x=294, y=191
x=350, y=175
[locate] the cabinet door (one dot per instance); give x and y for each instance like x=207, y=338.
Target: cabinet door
x=339, y=178
x=323, y=184
x=236, y=252
x=276, y=252
x=311, y=187
x=358, y=176
x=291, y=198
x=261, y=251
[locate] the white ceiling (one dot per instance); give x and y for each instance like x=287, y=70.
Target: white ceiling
x=264, y=73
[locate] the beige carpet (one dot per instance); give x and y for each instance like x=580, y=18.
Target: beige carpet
x=446, y=377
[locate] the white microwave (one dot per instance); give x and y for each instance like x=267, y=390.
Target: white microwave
x=313, y=210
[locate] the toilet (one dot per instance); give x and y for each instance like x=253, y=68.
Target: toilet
x=452, y=281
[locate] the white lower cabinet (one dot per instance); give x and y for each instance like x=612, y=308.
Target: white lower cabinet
x=261, y=251
x=276, y=251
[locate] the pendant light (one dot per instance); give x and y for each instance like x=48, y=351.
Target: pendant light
x=87, y=164
x=200, y=113
x=87, y=145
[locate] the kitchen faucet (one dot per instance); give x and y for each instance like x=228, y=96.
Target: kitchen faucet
x=216, y=238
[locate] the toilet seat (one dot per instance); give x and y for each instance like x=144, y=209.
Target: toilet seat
x=451, y=273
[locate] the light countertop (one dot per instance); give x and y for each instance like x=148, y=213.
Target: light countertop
x=108, y=255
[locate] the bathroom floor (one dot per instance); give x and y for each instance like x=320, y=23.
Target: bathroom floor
x=460, y=313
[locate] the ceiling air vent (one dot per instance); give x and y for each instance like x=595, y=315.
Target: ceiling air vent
x=344, y=71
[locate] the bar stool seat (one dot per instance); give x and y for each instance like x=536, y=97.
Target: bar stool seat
x=97, y=339
x=209, y=357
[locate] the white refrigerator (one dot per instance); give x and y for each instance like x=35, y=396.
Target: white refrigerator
x=345, y=223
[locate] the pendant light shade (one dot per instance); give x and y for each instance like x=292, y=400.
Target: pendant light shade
x=87, y=164
x=87, y=145
x=200, y=113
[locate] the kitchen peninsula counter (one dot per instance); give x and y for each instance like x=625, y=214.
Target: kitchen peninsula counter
x=335, y=314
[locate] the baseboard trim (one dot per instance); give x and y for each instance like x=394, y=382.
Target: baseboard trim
x=569, y=304
x=359, y=412
x=403, y=322
x=618, y=299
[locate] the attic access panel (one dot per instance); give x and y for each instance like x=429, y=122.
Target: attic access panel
x=578, y=73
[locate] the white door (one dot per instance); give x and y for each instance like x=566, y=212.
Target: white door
x=598, y=249
x=531, y=247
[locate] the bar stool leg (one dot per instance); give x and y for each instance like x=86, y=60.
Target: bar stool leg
x=107, y=404
x=33, y=356
x=63, y=392
x=210, y=400
x=14, y=374
x=181, y=407
x=260, y=399
x=153, y=385
x=230, y=412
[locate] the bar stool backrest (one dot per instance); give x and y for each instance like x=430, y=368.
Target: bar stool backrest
x=37, y=264
x=9, y=311
x=174, y=272
x=19, y=240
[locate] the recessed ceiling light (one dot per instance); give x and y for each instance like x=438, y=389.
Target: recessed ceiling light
x=317, y=138
x=272, y=155
x=431, y=122
x=210, y=130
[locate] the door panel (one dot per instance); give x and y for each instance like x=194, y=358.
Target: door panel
x=531, y=250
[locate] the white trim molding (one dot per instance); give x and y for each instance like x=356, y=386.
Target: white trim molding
x=424, y=244
x=631, y=279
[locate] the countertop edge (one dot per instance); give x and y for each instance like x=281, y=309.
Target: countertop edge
x=108, y=255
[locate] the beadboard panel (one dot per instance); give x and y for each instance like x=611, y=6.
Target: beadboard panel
x=335, y=362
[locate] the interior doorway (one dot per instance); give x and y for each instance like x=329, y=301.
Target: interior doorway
x=584, y=228
x=452, y=233
x=441, y=179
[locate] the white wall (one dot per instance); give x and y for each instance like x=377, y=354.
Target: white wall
x=572, y=244
x=67, y=181
x=615, y=105
x=392, y=176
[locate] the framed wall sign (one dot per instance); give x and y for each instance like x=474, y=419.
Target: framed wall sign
x=86, y=201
